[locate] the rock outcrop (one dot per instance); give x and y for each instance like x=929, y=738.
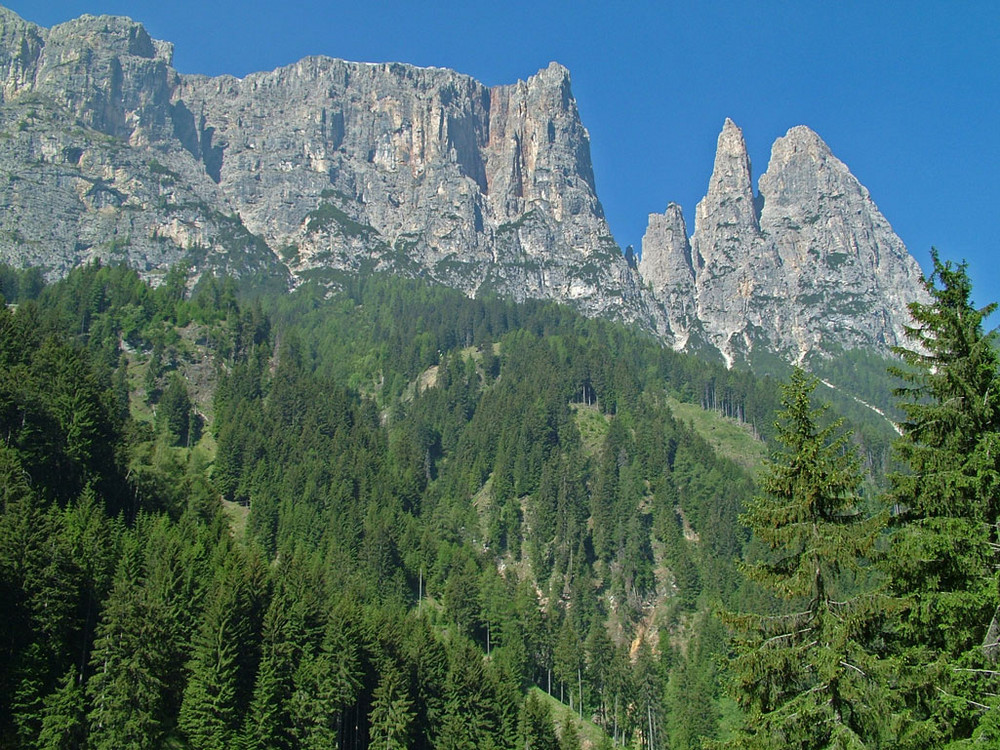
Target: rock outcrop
x=668, y=267
x=849, y=276
x=808, y=265
x=89, y=163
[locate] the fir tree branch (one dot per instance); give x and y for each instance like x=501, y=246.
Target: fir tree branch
x=962, y=698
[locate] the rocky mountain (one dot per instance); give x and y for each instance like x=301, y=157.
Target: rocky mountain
x=807, y=265
x=282, y=176
x=324, y=167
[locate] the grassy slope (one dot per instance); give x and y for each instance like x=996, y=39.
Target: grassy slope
x=727, y=436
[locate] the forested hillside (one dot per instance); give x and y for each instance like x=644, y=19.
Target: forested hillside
x=395, y=516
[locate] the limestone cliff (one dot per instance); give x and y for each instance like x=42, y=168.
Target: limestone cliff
x=325, y=166
x=666, y=263
x=287, y=175
x=849, y=276
x=808, y=265
x=89, y=163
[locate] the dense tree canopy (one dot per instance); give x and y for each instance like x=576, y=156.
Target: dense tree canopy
x=421, y=492
x=805, y=674
x=386, y=514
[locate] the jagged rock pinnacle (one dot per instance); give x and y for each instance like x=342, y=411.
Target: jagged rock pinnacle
x=818, y=270
x=731, y=259
x=729, y=201
x=666, y=265
x=850, y=276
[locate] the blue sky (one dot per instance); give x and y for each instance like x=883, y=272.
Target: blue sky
x=907, y=94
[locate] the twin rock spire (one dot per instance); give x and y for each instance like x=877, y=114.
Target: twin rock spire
x=807, y=262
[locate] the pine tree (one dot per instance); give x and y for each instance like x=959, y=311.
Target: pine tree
x=648, y=699
x=325, y=685
x=943, y=555
x=125, y=690
x=568, y=662
x=806, y=678
x=173, y=416
x=536, y=730
x=268, y=722
x=569, y=739
x=599, y=654
x=213, y=702
x=691, y=714
x=392, y=712
x=470, y=710
x=63, y=719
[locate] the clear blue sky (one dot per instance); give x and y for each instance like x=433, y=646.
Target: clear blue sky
x=906, y=93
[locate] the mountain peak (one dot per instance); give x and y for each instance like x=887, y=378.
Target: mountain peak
x=802, y=144
x=666, y=265
x=850, y=277
x=818, y=268
x=803, y=133
x=729, y=201
x=554, y=70
x=110, y=34
x=324, y=167
x=803, y=172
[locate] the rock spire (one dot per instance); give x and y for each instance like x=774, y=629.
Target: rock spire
x=808, y=265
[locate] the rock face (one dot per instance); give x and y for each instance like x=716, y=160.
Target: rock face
x=89, y=165
x=325, y=167
x=668, y=267
x=292, y=174
x=849, y=276
x=807, y=266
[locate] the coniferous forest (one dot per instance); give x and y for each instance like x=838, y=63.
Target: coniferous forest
x=392, y=516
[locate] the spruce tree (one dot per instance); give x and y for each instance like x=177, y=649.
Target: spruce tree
x=325, y=685
x=63, y=725
x=569, y=739
x=125, y=690
x=174, y=413
x=391, y=716
x=220, y=683
x=536, y=730
x=805, y=677
x=268, y=722
x=943, y=555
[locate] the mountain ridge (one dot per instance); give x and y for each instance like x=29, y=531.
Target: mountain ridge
x=326, y=166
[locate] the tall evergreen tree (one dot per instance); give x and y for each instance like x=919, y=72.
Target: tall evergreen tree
x=267, y=725
x=943, y=554
x=568, y=662
x=325, y=684
x=569, y=739
x=470, y=710
x=173, y=416
x=806, y=678
x=126, y=688
x=391, y=715
x=222, y=663
x=536, y=730
x=63, y=720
